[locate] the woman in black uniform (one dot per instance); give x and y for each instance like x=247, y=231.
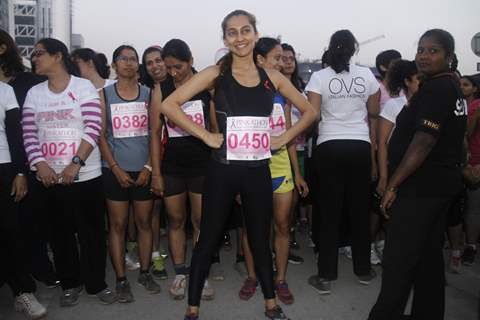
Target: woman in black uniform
x=426, y=147
x=243, y=101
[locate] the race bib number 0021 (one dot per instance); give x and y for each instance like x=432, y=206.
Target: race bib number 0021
x=248, y=138
x=129, y=119
x=59, y=145
x=194, y=111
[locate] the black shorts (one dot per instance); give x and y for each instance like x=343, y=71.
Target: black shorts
x=114, y=191
x=178, y=184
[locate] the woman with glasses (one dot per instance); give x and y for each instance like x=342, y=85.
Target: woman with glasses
x=126, y=167
x=61, y=126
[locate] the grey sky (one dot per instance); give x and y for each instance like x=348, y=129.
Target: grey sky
x=305, y=24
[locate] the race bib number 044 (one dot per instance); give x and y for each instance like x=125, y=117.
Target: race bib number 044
x=248, y=138
x=194, y=111
x=277, y=120
x=129, y=119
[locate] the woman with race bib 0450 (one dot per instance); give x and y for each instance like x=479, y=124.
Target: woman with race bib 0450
x=126, y=167
x=243, y=103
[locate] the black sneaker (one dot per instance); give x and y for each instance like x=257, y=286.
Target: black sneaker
x=294, y=259
x=468, y=257
x=321, y=285
x=276, y=314
x=227, y=243
x=365, y=280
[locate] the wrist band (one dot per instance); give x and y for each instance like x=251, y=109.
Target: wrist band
x=392, y=189
x=21, y=174
x=149, y=168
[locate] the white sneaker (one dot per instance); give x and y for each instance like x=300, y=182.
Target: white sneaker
x=29, y=305
x=347, y=251
x=374, y=259
x=379, y=246
x=177, y=289
x=208, y=293
x=130, y=263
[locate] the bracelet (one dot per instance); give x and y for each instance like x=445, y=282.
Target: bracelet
x=149, y=168
x=392, y=189
x=113, y=165
x=21, y=174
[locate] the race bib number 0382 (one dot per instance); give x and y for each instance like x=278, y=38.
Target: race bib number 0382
x=194, y=111
x=248, y=138
x=129, y=119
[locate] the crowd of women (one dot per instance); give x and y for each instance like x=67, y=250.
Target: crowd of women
x=245, y=143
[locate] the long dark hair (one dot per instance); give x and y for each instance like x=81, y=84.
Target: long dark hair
x=384, y=59
x=119, y=50
x=295, y=78
x=54, y=46
x=99, y=60
x=226, y=62
x=475, y=84
x=10, y=60
x=342, y=47
x=398, y=72
x=146, y=79
x=263, y=46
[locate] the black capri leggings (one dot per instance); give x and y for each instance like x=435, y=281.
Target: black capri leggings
x=222, y=183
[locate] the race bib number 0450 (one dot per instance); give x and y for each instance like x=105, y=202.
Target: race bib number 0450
x=129, y=119
x=248, y=138
x=194, y=111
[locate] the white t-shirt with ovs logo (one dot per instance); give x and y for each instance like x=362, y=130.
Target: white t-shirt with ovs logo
x=344, y=97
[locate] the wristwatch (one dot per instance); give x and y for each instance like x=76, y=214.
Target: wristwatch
x=78, y=160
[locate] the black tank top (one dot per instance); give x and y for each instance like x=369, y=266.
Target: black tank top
x=187, y=156
x=232, y=99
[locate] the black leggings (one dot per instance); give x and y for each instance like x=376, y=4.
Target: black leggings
x=342, y=173
x=222, y=183
x=78, y=208
x=13, y=238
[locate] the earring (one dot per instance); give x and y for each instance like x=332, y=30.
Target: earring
x=450, y=65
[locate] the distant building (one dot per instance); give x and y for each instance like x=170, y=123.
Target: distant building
x=27, y=21
x=77, y=41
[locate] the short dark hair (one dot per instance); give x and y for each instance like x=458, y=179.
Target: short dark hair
x=119, y=50
x=178, y=49
x=99, y=60
x=10, y=61
x=384, y=59
x=54, y=46
x=263, y=46
x=399, y=71
x=342, y=47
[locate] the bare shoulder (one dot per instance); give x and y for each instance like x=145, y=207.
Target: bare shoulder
x=275, y=76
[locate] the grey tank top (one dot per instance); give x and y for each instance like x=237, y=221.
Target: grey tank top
x=127, y=128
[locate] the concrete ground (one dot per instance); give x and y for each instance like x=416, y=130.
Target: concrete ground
x=348, y=301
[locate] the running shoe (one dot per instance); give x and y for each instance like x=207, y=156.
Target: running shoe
x=158, y=268
x=468, y=257
x=29, y=306
x=124, y=292
x=106, y=296
x=293, y=241
x=374, y=259
x=294, y=259
x=455, y=264
x=347, y=251
x=284, y=293
x=208, y=293
x=70, y=296
x=241, y=268
x=310, y=242
x=321, y=285
x=276, y=314
x=177, y=289
x=131, y=263
x=146, y=280
x=248, y=289
x=216, y=272
x=366, y=279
